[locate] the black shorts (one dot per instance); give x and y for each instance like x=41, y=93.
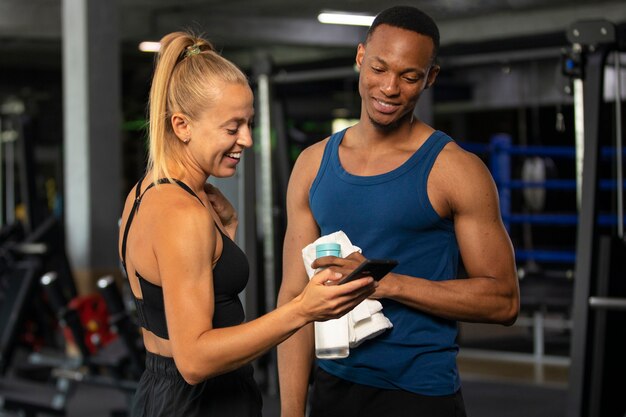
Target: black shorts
x=336, y=397
x=163, y=392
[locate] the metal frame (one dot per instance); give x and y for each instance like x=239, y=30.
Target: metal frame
x=592, y=40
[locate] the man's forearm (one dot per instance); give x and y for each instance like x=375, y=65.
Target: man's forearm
x=295, y=358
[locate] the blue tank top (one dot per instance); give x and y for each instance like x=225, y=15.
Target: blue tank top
x=390, y=216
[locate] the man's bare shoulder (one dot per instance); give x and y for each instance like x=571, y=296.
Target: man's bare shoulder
x=463, y=177
x=309, y=159
x=305, y=169
x=458, y=161
x=313, y=153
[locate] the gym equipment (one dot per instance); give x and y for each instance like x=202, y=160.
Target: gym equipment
x=500, y=152
x=122, y=324
x=534, y=171
x=110, y=365
x=110, y=358
x=18, y=286
x=94, y=317
x=18, y=155
x=21, y=206
x=21, y=258
x=117, y=364
x=30, y=399
x=598, y=341
x=68, y=316
x=18, y=280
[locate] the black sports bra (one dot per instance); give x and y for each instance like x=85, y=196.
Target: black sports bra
x=230, y=276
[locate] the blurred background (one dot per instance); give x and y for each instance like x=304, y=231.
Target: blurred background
x=535, y=88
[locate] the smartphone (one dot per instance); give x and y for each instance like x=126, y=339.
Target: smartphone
x=375, y=268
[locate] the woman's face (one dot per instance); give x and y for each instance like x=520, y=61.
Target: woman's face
x=223, y=131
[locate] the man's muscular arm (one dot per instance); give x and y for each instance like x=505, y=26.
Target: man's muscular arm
x=491, y=292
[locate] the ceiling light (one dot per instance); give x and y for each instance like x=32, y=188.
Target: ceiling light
x=340, y=18
x=149, y=46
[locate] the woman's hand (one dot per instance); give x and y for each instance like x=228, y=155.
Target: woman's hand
x=224, y=209
x=322, y=299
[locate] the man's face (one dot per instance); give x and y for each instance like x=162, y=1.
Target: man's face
x=395, y=66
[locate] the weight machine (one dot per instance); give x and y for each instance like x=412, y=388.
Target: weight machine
x=31, y=242
x=598, y=338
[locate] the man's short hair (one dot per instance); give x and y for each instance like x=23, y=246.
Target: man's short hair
x=409, y=18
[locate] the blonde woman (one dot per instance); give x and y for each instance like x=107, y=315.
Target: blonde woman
x=176, y=244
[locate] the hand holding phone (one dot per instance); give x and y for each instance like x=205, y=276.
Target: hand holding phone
x=375, y=268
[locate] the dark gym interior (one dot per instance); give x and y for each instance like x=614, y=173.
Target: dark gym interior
x=535, y=88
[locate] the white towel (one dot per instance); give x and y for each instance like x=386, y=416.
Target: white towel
x=366, y=320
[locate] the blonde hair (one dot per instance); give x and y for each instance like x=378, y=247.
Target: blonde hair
x=187, y=69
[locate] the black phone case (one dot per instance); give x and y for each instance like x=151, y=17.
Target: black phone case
x=375, y=268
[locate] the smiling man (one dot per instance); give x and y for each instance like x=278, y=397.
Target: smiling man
x=399, y=189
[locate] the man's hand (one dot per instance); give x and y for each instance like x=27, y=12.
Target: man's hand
x=342, y=265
